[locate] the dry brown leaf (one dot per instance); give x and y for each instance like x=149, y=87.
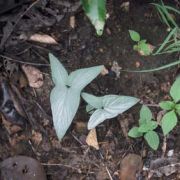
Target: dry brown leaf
x=91, y=139
x=72, y=22
x=23, y=81
x=36, y=137
x=130, y=165
x=125, y=6
x=34, y=76
x=104, y=71
x=163, y=166
x=11, y=128
x=41, y=38
x=116, y=68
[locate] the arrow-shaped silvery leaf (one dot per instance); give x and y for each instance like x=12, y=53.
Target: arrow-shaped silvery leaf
x=59, y=73
x=65, y=96
x=82, y=77
x=96, y=12
x=112, y=105
x=93, y=101
x=64, y=105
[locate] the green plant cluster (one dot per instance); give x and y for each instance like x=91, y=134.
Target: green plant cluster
x=147, y=126
x=142, y=45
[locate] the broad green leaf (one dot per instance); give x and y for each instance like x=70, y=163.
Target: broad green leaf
x=134, y=132
x=177, y=106
x=134, y=35
x=59, y=73
x=82, y=77
x=152, y=139
x=167, y=105
x=145, y=115
x=150, y=125
x=96, y=12
x=175, y=90
x=64, y=104
x=168, y=122
x=94, y=101
x=112, y=106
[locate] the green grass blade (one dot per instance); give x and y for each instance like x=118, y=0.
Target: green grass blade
x=154, y=69
x=165, y=41
x=172, y=9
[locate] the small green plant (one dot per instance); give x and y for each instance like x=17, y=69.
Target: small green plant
x=146, y=128
x=169, y=120
x=65, y=97
x=142, y=46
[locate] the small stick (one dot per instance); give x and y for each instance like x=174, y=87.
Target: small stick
x=67, y=166
x=110, y=177
x=22, y=62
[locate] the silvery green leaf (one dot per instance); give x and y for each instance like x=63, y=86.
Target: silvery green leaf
x=96, y=12
x=98, y=117
x=94, y=101
x=82, y=77
x=89, y=109
x=64, y=104
x=59, y=73
x=112, y=106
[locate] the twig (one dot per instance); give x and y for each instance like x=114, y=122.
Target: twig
x=110, y=177
x=22, y=62
x=67, y=166
x=150, y=105
x=17, y=21
x=77, y=139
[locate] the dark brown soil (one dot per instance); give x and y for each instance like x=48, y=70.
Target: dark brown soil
x=79, y=48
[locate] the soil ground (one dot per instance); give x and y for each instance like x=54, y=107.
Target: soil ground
x=79, y=47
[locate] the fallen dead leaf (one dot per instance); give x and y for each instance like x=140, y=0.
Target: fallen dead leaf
x=91, y=139
x=163, y=166
x=124, y=123
x=11, y=129
x=34, y=76
x=72, y=22
x=36, y=137
x=23, y=81
x=137, y=64
x=125, y=6
x=41, y=38
x=116, y=68
x=104, y=71
x=131, y=165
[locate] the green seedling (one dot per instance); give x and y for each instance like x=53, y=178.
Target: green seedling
x=141, y=46
x=146, y=128
x=169, y=120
